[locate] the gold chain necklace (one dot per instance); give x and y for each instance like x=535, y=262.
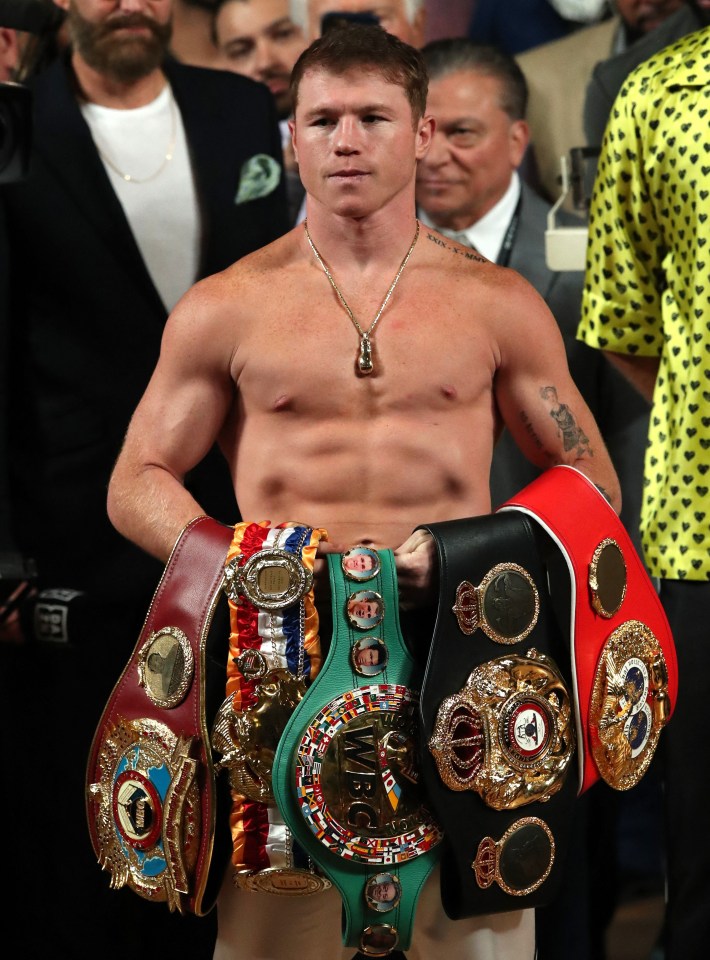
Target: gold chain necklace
x=169, y=153
x=364, y=360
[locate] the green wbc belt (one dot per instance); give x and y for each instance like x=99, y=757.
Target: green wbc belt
x=346, y=775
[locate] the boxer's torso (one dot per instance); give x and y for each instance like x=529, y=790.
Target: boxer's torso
x=366, y=457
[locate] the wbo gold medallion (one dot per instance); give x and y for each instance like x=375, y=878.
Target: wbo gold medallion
x=507, y=735
x=505, y=605
x=630, y=704
x=148, y=817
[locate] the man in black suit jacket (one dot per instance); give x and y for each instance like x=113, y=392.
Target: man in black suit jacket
x=87, y=310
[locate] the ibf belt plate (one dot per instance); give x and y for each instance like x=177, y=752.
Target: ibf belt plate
x=357, y=778
x=148, y=818
x=629, y=705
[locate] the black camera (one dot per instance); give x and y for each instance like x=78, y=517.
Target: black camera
x=40, y=19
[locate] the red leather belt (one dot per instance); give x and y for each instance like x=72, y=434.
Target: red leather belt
x=624, y=664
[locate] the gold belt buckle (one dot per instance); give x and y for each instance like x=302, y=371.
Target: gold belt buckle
x=520, y=861
x=508, y=734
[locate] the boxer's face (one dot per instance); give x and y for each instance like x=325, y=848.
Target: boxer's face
x=356, y=140
x=644, y=15
x=359, y=563
x=369, y=657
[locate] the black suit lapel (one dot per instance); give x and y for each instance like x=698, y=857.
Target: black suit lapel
x=206, y=121
x=64, y=144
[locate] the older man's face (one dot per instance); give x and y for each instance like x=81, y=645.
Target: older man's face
x=392, y=16
x=474, y=151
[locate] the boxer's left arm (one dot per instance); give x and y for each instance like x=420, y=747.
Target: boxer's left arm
x=537, y=397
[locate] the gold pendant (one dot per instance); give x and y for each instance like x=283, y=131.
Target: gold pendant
x=364, y=361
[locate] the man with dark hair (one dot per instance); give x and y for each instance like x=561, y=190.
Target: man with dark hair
x=258, y=39
x=558, y=72
x=426, y=337
x=145, y=175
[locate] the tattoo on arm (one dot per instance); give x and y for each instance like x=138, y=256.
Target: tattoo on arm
x=531, y=430
x=573, y=437
x=466, y=254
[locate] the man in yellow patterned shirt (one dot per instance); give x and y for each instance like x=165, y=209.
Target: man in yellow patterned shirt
x=647, y=305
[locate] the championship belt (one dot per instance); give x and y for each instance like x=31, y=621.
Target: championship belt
x=274, y=651
x=151, y=798
x=624, y=666
x=497, y=719
x=346, y=775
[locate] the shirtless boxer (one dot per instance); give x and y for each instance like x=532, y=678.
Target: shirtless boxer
x=264, y=358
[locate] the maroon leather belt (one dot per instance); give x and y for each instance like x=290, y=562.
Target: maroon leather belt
x=151, y=798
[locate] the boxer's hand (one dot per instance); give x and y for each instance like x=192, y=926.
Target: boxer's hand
x=416, y=570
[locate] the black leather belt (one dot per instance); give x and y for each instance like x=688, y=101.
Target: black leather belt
x=497, y=717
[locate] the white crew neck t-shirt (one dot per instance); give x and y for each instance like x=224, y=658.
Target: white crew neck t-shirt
x=161, y=202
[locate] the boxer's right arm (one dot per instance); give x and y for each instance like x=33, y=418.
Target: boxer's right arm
x=175, y=424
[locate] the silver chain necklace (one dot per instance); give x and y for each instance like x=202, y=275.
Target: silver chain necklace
x=364, y=360
x=169, y=153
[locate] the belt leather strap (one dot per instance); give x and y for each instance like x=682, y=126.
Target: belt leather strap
x=477, y=833
x=626, y=641
x=151, y=798
x=317, y=730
